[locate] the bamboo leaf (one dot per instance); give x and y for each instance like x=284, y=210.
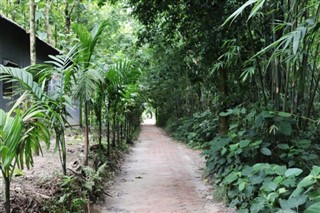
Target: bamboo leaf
x=256, y=7
x=296, y=41
x=235, y=14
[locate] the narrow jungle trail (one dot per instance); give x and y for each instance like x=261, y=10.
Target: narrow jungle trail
x=160, y=176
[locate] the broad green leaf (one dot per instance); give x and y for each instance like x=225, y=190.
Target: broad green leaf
x=315, y=172
x=269, y=186
x=284, y=114
x=266, y=114
x=266, y=151
x=233, y=126
x=282, y=190
x=303, y=143
x=244, y=143
x=279, y=170
x=256, y=180
x=234, y=147
x=257, y=205
x=246, y=171
x=227, y=113
x=230, y=178
x=305, y=182
x=261, y=166
x=293, y=172
x=242, y=186
x=259, y=120
x=314, y=208
x=272, y=197
x=250, y=115
x=285, y=128
x=283, y=146
x=293, y=203
x=223, y=151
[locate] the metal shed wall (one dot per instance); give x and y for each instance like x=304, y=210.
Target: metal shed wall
x=14, y=47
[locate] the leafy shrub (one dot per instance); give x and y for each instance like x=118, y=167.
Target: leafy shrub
x=263, y=160
x=76, y=191
x=266, y=187
x=195, y=130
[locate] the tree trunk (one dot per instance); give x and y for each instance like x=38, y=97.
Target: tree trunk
x=81, y=114
x=129, y=128
x=100, y=128
x=223, y=90
x=114, y=130
x=108, y=129
x=67, y=18
x=64, y=154
x=60, y=140
x=6, y=181
x=33, y=56
x=121, y=131
x=125, y=136
x=86, y=133
x=47, y=12
x=118, y=133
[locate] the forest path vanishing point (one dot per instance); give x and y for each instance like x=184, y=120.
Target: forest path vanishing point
x=160, y=176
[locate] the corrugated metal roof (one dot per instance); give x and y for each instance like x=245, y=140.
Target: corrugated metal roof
x=20, y=29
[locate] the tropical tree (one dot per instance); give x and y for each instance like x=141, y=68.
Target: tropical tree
x=99, y=103
x=60, y=71
x=120, y=77
x=250, y=67
x=87, y=76
x=54, y=101
x=21, y=131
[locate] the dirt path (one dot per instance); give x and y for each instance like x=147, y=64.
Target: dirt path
x=160, y=176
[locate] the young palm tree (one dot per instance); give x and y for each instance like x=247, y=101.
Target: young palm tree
x=99, y=102
x=61, y=69
x=87, y=78
x=55, y=103
x=119, y=78
x=21, y=131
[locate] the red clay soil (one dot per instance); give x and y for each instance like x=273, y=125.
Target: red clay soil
x=160, y=176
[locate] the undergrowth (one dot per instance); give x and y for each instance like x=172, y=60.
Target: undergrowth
x=194, y=131
x=265, y=163
x=76, y=192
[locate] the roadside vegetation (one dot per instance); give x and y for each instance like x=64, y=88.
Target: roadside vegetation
x=237, y=79
x=95, y=72
x=240, y=80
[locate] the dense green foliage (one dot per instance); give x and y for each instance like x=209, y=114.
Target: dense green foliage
x=240, y=79
x=97, y=69
x=77, y=191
